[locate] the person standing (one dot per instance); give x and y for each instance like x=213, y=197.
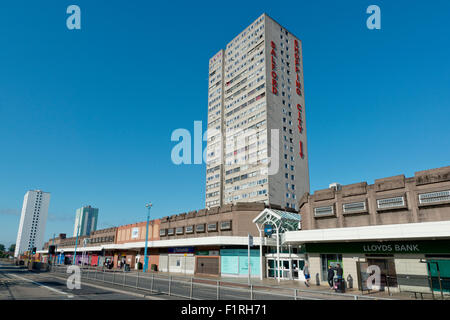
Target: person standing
x=330, y=276
x=339, y=271
x=307, y=274
x=340, y=279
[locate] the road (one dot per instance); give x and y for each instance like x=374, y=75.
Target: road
x=17, y=283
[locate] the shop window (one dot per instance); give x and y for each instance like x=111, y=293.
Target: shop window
x=329, y=260
x=388, y=276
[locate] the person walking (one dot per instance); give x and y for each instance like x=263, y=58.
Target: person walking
x=307, y=274
x=330, y=276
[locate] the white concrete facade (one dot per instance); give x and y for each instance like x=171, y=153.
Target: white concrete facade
x=33, y=220
x=256, y=141
x=407, y=231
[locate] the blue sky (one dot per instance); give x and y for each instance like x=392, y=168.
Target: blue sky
x=87, y=115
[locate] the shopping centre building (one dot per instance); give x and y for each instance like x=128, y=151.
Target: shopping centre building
x=400, y=224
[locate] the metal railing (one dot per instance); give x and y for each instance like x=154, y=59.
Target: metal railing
x=201, y=288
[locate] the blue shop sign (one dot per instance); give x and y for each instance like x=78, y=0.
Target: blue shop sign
x=181, y=250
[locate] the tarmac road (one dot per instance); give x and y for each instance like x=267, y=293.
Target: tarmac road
x=17, y=283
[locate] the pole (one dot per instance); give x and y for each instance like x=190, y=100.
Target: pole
x=439, y=278
x=278, y=256
x=51, y=254
x=148, y=206
x=249, y=259
x=76, y=243
x=260, y=255
x=290, y=264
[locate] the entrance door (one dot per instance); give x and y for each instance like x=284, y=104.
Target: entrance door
x=208, y=265
x=297, y=269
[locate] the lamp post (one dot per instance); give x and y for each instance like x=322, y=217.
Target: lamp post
x=148, y=206
x=76, y=243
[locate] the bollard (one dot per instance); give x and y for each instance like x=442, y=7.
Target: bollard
x=295, y=294
x=137, y=280
x=218, y=290
x=153, y=277
x=170, y=282
x=355, y=297
x=190, y=293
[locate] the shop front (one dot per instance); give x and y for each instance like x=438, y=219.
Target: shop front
x=291, y=266
x=410, y=265
x=234, y=262
x=207, y=261
x=178, y=260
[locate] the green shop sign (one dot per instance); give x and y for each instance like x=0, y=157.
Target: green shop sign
x=382, y=247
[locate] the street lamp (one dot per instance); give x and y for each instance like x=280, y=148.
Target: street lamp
x=76, y=244
x=148, y=206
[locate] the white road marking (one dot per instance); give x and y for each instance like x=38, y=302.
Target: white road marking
x=40, y=285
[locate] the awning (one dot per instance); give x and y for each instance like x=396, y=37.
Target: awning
x=407, y=231
x=281, y=220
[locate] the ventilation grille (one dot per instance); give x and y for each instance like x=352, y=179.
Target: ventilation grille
x=434, y=196
x=391, y=202
x=324, y=211
x=354, y=206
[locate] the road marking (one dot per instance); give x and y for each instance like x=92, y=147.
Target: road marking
x=40, y=284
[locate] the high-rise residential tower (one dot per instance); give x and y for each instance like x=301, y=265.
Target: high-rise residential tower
x=32, y=221
x=85, y=221
x=256, y=140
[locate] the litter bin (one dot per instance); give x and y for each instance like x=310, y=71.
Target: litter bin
x=154, y=267
x=339, y=285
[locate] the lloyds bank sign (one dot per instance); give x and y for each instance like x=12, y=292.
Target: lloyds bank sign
x=382, y=247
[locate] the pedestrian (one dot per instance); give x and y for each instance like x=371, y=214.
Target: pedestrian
x=330, y=276
x=307, y=274
x=339, y=271
x=339, y=276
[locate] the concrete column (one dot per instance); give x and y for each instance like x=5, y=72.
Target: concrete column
x=349, y=264
x=315, y=267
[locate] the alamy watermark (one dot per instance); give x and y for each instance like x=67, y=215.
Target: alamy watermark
x=74, y=280
x=374, y=20
x=237, y=147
